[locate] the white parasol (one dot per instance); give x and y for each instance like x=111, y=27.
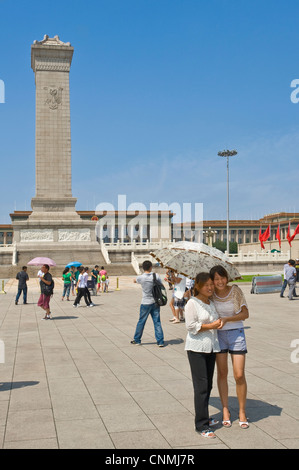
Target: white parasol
x=189, y=259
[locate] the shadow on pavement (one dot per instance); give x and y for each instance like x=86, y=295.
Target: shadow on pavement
x=11, y=385
x=256, y=409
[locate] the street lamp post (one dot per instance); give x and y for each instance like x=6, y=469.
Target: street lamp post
x=210, y=233
x=227, y=154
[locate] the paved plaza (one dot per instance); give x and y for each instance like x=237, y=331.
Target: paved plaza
x=76, y=381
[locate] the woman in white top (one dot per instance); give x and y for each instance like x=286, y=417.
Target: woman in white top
x=231, y=306
x=202, y=322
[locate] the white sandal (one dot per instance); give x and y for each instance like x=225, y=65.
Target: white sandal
x=208, y=434
x=243, y=424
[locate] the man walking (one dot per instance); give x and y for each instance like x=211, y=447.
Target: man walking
x=22, y=277
x=290, y=276
x=285, y=282
x=148, y=305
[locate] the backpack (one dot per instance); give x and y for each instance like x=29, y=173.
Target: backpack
x=103, y=278
x=49, y=290
x=159, y=292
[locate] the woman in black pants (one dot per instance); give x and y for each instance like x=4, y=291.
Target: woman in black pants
x=202, y=322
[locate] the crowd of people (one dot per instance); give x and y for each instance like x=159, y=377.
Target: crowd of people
x=75, y=281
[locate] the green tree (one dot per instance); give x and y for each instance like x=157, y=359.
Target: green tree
x=221, y=245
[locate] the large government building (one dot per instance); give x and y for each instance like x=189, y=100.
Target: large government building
x=240, y=231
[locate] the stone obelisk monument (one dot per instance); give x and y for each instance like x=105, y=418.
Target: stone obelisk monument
x=51, y=62
x=54, y=228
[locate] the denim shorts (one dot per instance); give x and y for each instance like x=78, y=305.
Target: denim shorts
x=232, y=341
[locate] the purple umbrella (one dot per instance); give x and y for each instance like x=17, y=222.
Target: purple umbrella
x=39, y=261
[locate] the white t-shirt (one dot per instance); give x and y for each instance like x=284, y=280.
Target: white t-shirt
x=146, y=282
x=81, y=281
x=197, y=313
x=179, y=289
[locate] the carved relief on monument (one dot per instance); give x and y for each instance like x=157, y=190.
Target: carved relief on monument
x=54, y=98
x=36, y=235
x=74, y=235
x=56, y=65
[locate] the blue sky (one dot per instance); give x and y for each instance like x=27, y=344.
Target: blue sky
x=158, y=87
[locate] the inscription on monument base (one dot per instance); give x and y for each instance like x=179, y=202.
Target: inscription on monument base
x=36, y=235
x=74, y=235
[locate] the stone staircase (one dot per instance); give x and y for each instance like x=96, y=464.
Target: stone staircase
x=88, y=257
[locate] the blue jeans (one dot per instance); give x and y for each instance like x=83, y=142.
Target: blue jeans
x=66, y=290
x=24, y=289
x=284, y=285
x=145, y=311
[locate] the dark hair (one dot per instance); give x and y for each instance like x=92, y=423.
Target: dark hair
x=66, y=270
x=220, y=270
x=102, y=267
x=24, y=267
x=46, y=266
x=200, y=280
x=291, y=262
x=146, y=265
x=80, y=269
x=86, y=269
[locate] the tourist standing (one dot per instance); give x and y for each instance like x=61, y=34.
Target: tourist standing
x=94, y=275
x=67, y=280
x=148, y=305
x=179, y=282
x=46, y=287
x=22, y=277
x=232, y=308
x=202, y=322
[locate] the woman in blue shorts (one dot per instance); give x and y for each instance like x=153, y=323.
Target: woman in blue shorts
x=231, y=306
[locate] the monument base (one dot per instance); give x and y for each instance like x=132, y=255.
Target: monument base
x=64, y=239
